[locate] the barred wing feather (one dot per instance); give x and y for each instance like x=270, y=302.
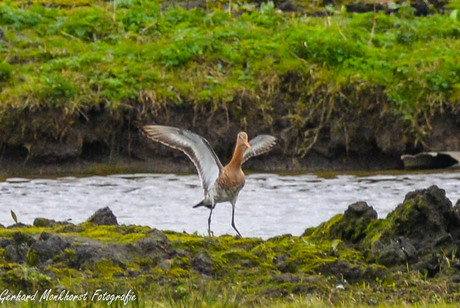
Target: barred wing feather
x=259, y=145
x=194, y=146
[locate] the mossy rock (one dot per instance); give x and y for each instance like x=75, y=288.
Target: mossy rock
x=350, y=226
x=47, y=247
x=107, y=269
x=424, y=224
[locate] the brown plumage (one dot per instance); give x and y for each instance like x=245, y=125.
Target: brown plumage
x=220, y=184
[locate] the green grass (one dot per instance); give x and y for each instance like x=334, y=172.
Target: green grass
x=132, y=56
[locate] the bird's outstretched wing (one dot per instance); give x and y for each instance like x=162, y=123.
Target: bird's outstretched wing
x=194, y=146
x=259, y=145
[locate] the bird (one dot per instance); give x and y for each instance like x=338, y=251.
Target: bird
x=220, y=183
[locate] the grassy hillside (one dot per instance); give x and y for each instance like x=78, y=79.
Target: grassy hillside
x=62, y=61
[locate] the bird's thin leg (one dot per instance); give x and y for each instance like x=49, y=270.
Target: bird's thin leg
x=210, y=233
x=233, y=219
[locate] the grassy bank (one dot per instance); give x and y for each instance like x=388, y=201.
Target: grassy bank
x=64, y=64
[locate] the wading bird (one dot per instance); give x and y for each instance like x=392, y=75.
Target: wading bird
x=220, y=184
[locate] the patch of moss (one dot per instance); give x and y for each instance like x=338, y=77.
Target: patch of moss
x=22, y=234
x=32, y=257
x=105, y=269
x=178, y=272
x=2, y=256
x=113, y=234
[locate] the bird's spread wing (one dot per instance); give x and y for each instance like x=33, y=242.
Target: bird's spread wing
x=195, y=147
x=259, y=145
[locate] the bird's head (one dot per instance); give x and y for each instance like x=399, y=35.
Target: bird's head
x=243, y=139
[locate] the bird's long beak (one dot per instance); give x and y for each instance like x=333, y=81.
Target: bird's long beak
x=246, y=144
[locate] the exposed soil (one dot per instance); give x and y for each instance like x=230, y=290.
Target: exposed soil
x=351, y=139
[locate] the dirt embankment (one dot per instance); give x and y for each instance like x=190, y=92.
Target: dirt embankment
x=405, y=257
x=322, y=134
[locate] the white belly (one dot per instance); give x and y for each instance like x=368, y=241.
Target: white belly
x=218, y=195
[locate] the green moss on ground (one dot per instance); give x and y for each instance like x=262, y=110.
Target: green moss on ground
x=327, y=265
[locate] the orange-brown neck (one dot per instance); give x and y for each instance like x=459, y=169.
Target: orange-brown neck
x=237, y=158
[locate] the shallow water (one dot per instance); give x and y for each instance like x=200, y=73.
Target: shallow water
x=269, y=204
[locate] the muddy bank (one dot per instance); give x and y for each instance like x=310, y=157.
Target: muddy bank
x=351, y=138
x=404, y=258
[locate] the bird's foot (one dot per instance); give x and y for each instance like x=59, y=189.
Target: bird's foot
x=210, y=233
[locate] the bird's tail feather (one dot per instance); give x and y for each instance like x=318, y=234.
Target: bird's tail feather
x=201, y=204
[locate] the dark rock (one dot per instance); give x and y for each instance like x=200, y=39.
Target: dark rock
x=341, y=268
x=42, y=222
x=361, y=7
x=287, y=277
x=429, y=266
x=103, y=216
x=203, y=263
x=282, y=263
x=423, y=226
x=353, y=225
x=20, y=238
x=423, y=217
x=18, y=225
x=5, y=242
x=85, y=254
x=45, y=222
x=456, y=212
x=16, y=253
x=17, y=247
x=310, y=285
x=11, y=254
x=288, y=6
x=154, y=246
x=155, y=241
x=398, y=251
x=47, y=247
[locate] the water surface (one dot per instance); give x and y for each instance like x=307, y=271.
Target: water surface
x=269, y=204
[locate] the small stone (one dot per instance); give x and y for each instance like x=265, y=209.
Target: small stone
x=103, y=216
x=45, y=222
x=352, y=227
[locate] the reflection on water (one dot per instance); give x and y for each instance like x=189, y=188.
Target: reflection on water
x=269, y=205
